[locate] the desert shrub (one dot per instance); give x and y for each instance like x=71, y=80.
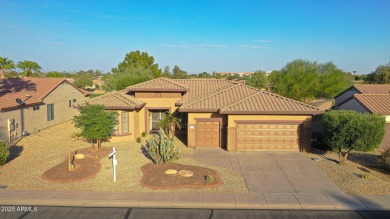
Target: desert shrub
x=347, y=130
x=386, y=159
x=317, y=141
x=138, y=140
x=143, y=134
x=163, y=150
x=4, y=153
x=209, y=178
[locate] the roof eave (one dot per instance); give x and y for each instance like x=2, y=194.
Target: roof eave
x=271, y=112
x=198, y=110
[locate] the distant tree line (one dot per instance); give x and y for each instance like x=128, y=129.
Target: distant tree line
x=299, y=79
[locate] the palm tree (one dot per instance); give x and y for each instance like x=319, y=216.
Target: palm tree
x=28, y=67
x=170, y=123
x=6, y=63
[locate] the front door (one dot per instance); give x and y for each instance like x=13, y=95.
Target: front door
x=155, y=117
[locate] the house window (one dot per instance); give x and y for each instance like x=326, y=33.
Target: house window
x=70, y=103
x=184, y=120
x=74, y=100
x=50, y=112
x=155, y=117
x=125, y=122
x=35, y=108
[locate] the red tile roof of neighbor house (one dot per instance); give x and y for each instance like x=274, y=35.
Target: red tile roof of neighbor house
x=118, y=100
x=373, y=88
x=8, y=100
x=375, y=103
x=36, y=88
x=369, y=89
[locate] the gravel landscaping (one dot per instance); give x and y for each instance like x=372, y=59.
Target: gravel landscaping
x=35, y=154
x=363, y=174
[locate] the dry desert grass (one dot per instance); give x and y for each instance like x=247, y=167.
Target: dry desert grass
x=38, y=153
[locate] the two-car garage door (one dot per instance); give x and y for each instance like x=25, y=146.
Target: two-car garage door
x=272, y=137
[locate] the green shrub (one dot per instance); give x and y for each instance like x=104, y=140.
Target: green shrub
x=366, y=176
x=143, y=134
x=138, y=140
x=4, y=153
x=163, y=150
x=386, y=159
x=317, y=141
x=348, y=130
x=209, y=178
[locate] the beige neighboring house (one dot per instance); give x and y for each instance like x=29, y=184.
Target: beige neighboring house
x=44, y=102
x=368, y=98
x=241, y=74
x=215, y=113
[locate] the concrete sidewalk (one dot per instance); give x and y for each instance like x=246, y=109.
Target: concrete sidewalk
x=304, y=201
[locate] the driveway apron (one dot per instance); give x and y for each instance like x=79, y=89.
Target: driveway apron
x=271, y=172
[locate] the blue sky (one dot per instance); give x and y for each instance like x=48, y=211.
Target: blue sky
x=197, y=35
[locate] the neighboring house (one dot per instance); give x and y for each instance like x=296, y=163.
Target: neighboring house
x=368, y=98
x=46, y=102
x=215, y=113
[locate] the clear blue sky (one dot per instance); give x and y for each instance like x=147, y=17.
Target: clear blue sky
x=197, y=35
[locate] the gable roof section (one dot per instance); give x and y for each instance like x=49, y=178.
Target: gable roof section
x=369, y=89
x=118, y=100
x=263, y=102
x=219, y=99
x=375, y=103
x=36, y=87
x=201, y=87
x=8, y=100
x=373, y=88
x=159, y=84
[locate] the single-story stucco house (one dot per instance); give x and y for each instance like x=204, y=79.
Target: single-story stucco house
x=368, y=98
x=215, y=113
x=44, y=102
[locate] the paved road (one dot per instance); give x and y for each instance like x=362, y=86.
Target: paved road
x=85, y=212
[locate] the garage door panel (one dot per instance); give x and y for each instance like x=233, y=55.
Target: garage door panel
x=267, y=137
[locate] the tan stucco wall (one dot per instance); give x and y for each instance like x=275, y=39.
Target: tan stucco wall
x=155, y=103
x=231, y=129
x=37, y=120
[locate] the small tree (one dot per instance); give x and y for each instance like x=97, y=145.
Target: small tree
x=348, y=130
x=95, y=123
x=84, y=80
x=4, y=153
x=163, y=150
x=169, y=123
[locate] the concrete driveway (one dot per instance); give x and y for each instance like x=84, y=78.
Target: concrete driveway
x=272, y=172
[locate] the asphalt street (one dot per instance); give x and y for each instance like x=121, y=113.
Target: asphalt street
x=87, y=212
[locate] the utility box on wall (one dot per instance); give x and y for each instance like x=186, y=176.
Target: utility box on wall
x=11, y=124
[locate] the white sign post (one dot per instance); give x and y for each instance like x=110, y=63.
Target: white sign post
x=114, y=161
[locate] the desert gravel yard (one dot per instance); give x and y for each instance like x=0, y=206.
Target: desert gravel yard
x=363, y=174
x=38, y=153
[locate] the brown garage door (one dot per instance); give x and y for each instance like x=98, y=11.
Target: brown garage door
x=207, y=134
x=272, y=137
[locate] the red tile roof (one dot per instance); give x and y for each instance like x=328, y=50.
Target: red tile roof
x=36, y=88
x=118, y=100
x=375, y=103
x=8, y=100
